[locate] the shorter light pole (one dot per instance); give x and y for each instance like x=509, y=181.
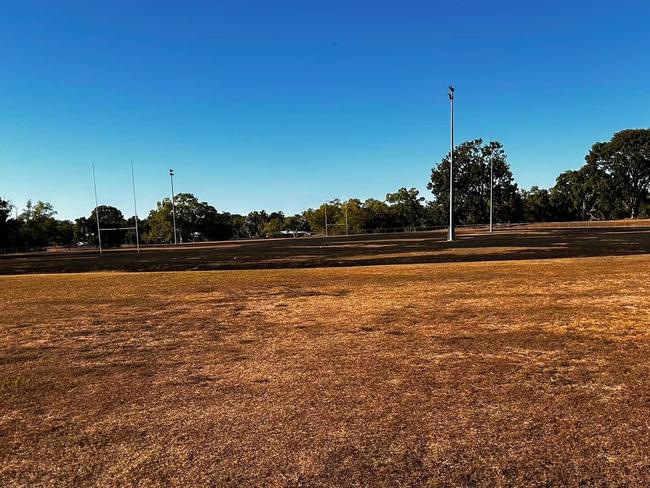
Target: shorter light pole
x=171, y=178
x=491, y=191
x=325, y=219
x=347, y=232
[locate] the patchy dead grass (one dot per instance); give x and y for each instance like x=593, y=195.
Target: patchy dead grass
x=494, y=374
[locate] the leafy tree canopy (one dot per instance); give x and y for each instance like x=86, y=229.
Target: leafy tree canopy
x=472, y=183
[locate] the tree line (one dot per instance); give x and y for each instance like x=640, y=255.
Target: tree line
x=613, y=183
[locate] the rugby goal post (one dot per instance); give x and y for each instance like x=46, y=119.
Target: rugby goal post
x=108, y=229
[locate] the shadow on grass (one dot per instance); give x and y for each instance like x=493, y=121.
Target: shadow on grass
x=430, y=247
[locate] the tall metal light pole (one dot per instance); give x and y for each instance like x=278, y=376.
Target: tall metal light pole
x=491, y=191
x=325, y=219
x=347, y=231
x=452, y=232
x=171, y=178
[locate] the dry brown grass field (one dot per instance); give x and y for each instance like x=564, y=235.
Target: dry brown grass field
x=496, y=373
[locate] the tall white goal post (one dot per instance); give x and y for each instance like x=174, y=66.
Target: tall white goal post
x=108, y=229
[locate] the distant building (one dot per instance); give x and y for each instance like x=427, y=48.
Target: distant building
x=295, y=233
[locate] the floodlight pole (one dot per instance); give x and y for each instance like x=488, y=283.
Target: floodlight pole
x=491, y=191
x=325, y=219
x=347, y=232
x=99, y=232
x=135, y=208
x=171, y=177
x=452, y=233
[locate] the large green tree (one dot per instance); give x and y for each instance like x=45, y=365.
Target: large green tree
x=583, y=194
x=352, y=214
x=537, y=205
x=625, y=160
x=406, y=207
x=195, y=220
x=333, y=210
x=254, y=224
x=216, y=226
x=160, y=222
x=273, y=227
x=296, y=223
x=83, y=233
x=472, y=183
x=435, y=214
x=65, y=233
x=38, y=228
x=377, y=215
x=111, y=219
x=5, y=233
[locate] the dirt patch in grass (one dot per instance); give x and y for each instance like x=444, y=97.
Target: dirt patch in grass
x=497, y=373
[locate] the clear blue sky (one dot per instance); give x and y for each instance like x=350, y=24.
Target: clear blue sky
x=282, y=105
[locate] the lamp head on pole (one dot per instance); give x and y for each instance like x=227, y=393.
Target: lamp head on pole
x=451, y=93
x=171, y=172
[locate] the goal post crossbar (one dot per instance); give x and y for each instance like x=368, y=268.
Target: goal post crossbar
x=117, y=228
